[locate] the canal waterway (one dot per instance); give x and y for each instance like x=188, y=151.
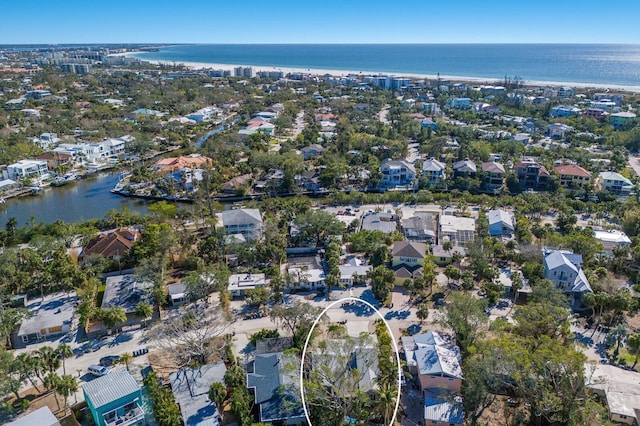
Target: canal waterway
x=77, y=201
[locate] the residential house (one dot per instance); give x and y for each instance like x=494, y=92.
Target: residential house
x=532, y=175
x=56, y=159
x=27, y=169
x=349, y=274
x=566, y=92
x=126, y=291
x=428, y=123
x=408, y=259
x=459, y=103
x=442, y=257
x=247, y=222
x=464, y=168
x=275, y=389
x=573, y=176
x=501, y=223
x=616, y=98
x=8, y=184
x=433, y=170
x=621, y=120
x=420, y=227
x=611, y=239
x=203, y=114
x=353, y=362
x=523, y=138
x=564, y=269
x=190, y=387
x=40, y=417
x=312, y=151
x=240, y=283
x=50, y=316
x=614, y=183
x=621, y=392
x=112, y=244
x=595, y=113
x=396, y=173
x=558, y=130
x=305, y=273
x=458, y=230
x=492, y=175
x=375, y=221
x=177, y=293
x=441, y=409
x=237, y=184
x=434, y=360
x=115, y=399
x=564, y=111
x=192, y=161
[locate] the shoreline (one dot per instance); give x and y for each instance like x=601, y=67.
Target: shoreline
x=339, y=73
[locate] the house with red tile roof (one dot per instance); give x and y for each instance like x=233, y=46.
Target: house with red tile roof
x=573, y=176
x=183, y=162
x=111, y=244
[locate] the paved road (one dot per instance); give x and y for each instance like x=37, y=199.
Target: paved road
x=382, y=115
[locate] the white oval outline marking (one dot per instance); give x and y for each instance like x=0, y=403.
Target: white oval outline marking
x=393, y=340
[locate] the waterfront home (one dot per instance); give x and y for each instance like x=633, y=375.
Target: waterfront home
x=396, y=173
x=501, y=223
x=126, y=291
x=190, y=387
x=434, y=360
x=7, y=184
x=176, y=163
x=247, y=222
x=532, y=175
x=275, y=388
x=115, y=399
x=50, y=316
x=573, y=176
x=203, y=114
x=111, y=244
x=464, y=168
x=239, y=283
x=458, y=230
x=433, y=170
x=614, y=183
x=492, y=175
x=27, y=169
x=56, y=159
x=621, y=120
x=40, y=417
x=237, y=184
x=564, y=269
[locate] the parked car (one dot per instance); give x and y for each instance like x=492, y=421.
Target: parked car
x=109, y=360
x=98, y=370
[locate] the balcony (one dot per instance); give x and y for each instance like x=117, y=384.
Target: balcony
x=134, y=416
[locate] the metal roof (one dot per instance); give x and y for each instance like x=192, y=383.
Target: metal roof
x=106, y=389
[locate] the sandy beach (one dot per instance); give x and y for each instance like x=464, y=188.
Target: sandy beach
x=339, y=73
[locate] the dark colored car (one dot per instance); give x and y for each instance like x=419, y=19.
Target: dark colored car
x=107, y=361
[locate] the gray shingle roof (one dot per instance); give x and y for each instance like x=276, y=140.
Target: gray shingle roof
x=41, y=417
x=106, y=389
x=190, y=388
x=241, y=216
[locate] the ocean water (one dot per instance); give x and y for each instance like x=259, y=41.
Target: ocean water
x=605, y=64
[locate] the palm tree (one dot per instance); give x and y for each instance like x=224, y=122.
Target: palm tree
x=634, y=344
x=27, y=366
x=217, y=394
x=50, y=358
x=125, y=359
x=66, y=386
x=423, y=311
x=386, y=402
x=144, y=311
x=618, y=336
x=51, y=383
x=113, y=316
x=64, y=351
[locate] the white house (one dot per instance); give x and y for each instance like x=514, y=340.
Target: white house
x=611, y=239
x=247, y=222
x=501, y=223
x=615, y=183
x=24, y=169
x=564, y=269
x=458, y=230
x=433, y=170
x=240, y=283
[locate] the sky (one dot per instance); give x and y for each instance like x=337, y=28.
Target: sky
x=327, y=21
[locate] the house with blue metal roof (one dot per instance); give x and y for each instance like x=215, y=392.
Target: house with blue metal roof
x=115, y=400
x=442, y=410
x=276, y=389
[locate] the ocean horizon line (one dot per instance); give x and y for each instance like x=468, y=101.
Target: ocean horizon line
x=197, y=65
